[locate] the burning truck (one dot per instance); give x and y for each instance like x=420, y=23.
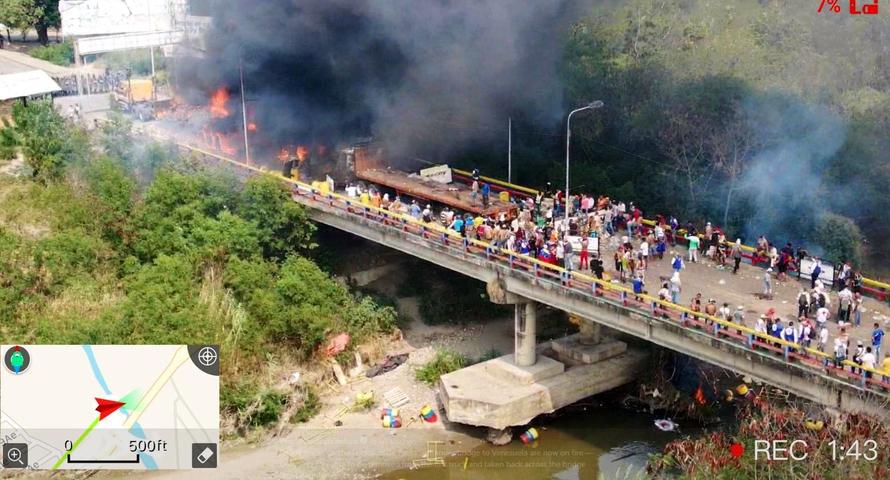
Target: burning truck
x=439, y=183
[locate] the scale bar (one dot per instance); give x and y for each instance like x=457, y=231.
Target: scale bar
x=103, y=461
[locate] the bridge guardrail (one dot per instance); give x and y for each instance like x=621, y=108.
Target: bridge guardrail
x=641, y=303
x=875, y=288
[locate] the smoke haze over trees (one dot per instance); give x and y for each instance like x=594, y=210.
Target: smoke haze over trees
x=409, y=71
x=760, y=115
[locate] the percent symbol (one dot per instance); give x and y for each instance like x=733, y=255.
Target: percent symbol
x=832, y=5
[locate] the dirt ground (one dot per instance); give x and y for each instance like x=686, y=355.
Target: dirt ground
x=356, y=449
x=360, y=447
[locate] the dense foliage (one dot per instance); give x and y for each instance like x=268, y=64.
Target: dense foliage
x=58, y=53
x=747, y=114
x=86, y=256
x=40, y=15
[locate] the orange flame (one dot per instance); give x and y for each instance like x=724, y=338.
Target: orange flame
x=218, y=103
x=225, y=145
x=302, y=152
x=251, y=127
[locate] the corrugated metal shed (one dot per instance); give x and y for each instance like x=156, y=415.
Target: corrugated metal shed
x=25, y=84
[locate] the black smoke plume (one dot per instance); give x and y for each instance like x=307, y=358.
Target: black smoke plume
x=427, y=77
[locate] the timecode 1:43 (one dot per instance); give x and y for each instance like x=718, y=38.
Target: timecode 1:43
x=867, y=450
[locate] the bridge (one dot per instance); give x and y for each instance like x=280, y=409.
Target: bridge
x=527, y=282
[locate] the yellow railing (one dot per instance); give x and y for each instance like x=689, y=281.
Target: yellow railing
x=555, y=268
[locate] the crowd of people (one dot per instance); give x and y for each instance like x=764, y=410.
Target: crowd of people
x=92, y=83
x=542, y=230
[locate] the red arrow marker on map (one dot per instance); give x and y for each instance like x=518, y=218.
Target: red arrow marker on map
x=107, y=407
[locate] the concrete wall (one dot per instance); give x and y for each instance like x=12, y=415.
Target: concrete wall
x=797, y=379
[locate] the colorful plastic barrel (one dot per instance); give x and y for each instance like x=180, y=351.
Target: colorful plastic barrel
x=529, y=436
x=428, y=414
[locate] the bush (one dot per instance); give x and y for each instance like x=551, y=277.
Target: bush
x=445, y=361
x=840, y=237
x=42, y=135
x=58, y=53
x=8, y=142
x=309, y=408
x=139, y=61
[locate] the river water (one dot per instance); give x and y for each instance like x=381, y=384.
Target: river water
x=601, y=442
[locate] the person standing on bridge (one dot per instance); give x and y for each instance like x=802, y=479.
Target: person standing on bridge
x=814, y=275
x=738, y=316
x=676, y=287
x=823, y=338
x=585, y=254
x=768, y=284
x=677, y=262
x=877, y=338
x=694, y=242
x=868, y=361
x=790, y=334
x=567, y=250
x=736, y=255
x=822, y=316
x=844, y=303
x=803, y=303
x=486, y=193
x=760, y=325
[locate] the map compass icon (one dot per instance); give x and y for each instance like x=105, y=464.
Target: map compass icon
x=17, y=360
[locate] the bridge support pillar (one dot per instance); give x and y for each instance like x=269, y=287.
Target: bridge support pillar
x=590, y=333
x=526, y=323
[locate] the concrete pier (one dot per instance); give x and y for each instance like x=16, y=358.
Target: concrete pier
x=500, y=393
x=526, y=318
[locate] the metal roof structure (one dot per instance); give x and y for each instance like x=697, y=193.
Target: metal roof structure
x=17, y=62
x=25, y=84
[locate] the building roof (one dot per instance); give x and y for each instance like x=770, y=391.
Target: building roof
x=25, y=84
x=16, y=62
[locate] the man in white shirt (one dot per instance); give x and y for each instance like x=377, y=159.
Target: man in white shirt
x=760, y=325
x=840, y=351
x=822, y=316
x=868, y=360
x=823, y=338
x=644, y=251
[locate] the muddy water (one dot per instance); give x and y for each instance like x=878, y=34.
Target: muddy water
x=599, y=443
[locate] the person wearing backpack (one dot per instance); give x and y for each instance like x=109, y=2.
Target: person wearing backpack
x=803, y=303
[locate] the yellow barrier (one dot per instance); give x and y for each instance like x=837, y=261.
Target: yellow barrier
x=560, y=270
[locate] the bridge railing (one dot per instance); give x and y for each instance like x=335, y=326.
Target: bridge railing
x=437, y=236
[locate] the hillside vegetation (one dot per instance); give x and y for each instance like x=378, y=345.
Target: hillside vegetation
x=91, y=254
x=759, y=115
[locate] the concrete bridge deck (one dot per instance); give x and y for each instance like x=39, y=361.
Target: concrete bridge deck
x=788, y=366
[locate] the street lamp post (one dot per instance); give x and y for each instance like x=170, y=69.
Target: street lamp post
x=592, y=105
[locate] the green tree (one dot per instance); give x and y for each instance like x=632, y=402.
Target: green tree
x=283, y=225
x=42, y=135
x=117, y=137
x=40, y=15
x=841, y=239
x=115, y=191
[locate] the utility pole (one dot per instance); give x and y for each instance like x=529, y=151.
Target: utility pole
x=592, y=105
x=244, y=112
x=510, y=150
x=151, y=50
